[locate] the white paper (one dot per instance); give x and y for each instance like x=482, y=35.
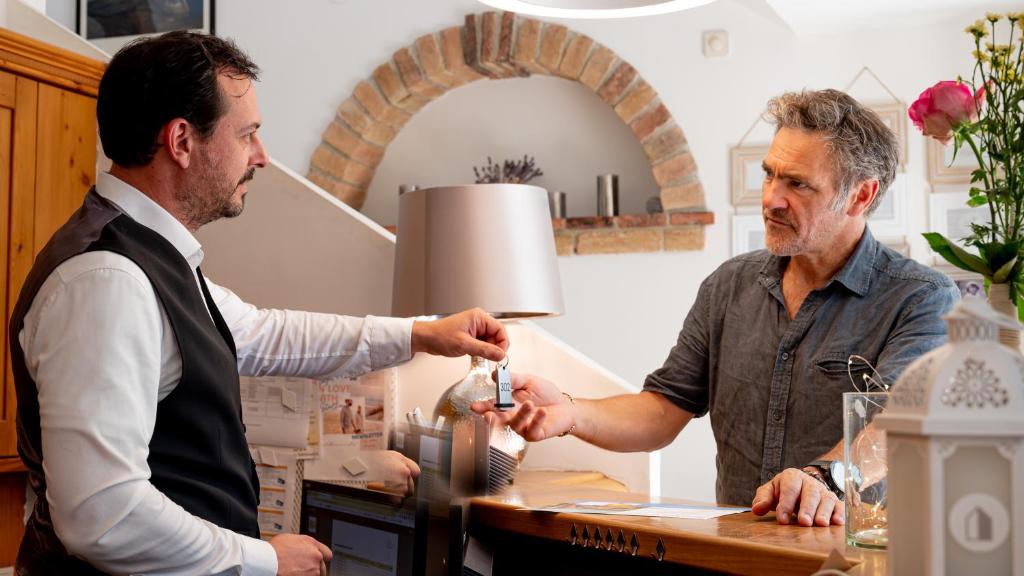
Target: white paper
x=277, y=411
x=649, y=509
x=378, y=464
x=280, y=479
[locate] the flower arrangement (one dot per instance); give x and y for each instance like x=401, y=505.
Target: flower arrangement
x=986, y=114
x=511, y=171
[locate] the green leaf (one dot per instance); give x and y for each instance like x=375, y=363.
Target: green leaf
x=1003, y=273
x=975, y=201
x=973, y=262
x=941, y=246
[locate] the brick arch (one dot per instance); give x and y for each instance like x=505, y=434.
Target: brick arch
x=496, y=45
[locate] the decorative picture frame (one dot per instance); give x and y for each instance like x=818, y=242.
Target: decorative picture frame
x=950, y=216
x=747, y=174
x=110, y=25
x=747, y=233
x=894, y=115
x=942, y=169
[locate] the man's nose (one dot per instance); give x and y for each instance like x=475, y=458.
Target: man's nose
x=772, y=196
x=260, y=156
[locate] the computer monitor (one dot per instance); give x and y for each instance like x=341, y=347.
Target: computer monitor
x=370, y=533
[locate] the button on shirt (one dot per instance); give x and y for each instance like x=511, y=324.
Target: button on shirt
x=98, y=403
x=773, y=385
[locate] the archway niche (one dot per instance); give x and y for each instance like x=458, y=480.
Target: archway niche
x=495, y=45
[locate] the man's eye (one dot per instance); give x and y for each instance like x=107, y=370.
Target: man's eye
x=797, y=184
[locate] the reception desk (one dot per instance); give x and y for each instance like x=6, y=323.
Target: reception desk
x=541, y=543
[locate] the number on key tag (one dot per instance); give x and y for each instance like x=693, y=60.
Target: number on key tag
x=503, y=397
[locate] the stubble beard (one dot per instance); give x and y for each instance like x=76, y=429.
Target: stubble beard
x=789, y=242
x=210, y=196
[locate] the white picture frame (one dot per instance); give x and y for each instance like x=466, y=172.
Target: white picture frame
x=747, y=174
x=889, y=219
x=950, y=216
x=943, y=169
x=747, y=233
x=894, y=115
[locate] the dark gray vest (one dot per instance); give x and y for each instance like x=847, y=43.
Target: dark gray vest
x=198, y=454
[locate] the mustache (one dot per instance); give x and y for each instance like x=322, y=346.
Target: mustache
x=249, y=175
x=778, y=215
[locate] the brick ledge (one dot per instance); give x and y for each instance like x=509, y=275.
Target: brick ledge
x=629, y=233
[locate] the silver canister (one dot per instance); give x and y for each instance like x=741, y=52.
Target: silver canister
x=556, y=203
x=608, y=195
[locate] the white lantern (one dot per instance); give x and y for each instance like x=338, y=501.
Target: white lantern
x=955, y=436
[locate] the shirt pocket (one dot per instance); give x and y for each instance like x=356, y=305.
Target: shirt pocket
x=835, y=374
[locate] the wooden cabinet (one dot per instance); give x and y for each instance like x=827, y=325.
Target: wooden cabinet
x=47, y=164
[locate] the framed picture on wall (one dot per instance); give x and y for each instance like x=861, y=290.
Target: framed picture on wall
x=111, y=24
x=894, y=115
x=747, y=174
x=889, y=219
x=747, y=233
x=944, y=169
x=950, y=216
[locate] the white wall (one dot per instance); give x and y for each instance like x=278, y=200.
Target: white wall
x=299, y=248
x=30, y=18
x=623, y=311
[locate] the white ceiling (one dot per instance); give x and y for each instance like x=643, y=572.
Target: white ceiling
x=813, y=17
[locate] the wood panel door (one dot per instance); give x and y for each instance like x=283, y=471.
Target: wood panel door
x=20, y=224
x=8, y=91
x=65, y=158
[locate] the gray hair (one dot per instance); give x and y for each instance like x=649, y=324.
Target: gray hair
x=860, y=145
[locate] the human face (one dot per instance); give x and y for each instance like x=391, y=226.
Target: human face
x=228, y=159
x=798, y=194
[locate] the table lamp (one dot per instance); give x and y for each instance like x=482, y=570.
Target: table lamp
x=482, y=245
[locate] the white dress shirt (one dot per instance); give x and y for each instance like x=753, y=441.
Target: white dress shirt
x=103, y=355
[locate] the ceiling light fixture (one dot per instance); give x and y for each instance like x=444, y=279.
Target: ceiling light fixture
x=591, y=9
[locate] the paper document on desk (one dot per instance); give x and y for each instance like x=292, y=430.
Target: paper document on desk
x=650, y=509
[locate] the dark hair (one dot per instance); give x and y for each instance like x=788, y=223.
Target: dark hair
x=152, y=81
x=860, y=145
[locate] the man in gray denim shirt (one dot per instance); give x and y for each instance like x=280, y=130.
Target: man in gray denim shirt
x=765, y=347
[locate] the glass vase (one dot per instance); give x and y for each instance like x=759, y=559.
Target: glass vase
x=865, y=470
x=478, y=385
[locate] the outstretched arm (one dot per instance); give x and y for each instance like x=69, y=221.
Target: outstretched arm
x=627, y=423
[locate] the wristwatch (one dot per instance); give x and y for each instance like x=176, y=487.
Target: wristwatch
x=831, y=473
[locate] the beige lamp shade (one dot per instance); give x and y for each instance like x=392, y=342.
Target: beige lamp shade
x=482, y=245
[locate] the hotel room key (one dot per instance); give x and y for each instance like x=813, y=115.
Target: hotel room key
x=503, y=397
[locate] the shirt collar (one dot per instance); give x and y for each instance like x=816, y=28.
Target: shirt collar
x=855, y=274
x=145, y=211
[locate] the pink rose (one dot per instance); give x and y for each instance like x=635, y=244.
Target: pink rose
x=945, y=106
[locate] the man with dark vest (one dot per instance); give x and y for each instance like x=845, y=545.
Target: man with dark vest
x=126, y=358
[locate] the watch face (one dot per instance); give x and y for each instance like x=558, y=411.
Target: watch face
x=837, y=470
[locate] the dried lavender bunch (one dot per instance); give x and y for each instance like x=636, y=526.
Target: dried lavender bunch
x=511, y=171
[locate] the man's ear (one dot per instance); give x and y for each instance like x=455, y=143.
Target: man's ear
x=178, y=138
x=862, y=196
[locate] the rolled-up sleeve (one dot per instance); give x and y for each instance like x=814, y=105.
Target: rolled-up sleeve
x=683, y=378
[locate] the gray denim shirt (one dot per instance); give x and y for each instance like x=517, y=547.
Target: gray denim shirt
x=774, y=385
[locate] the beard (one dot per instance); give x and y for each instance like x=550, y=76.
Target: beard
x=785, y=239
x=210, y=195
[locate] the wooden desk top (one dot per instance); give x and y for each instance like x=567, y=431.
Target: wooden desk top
x=737, y=543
